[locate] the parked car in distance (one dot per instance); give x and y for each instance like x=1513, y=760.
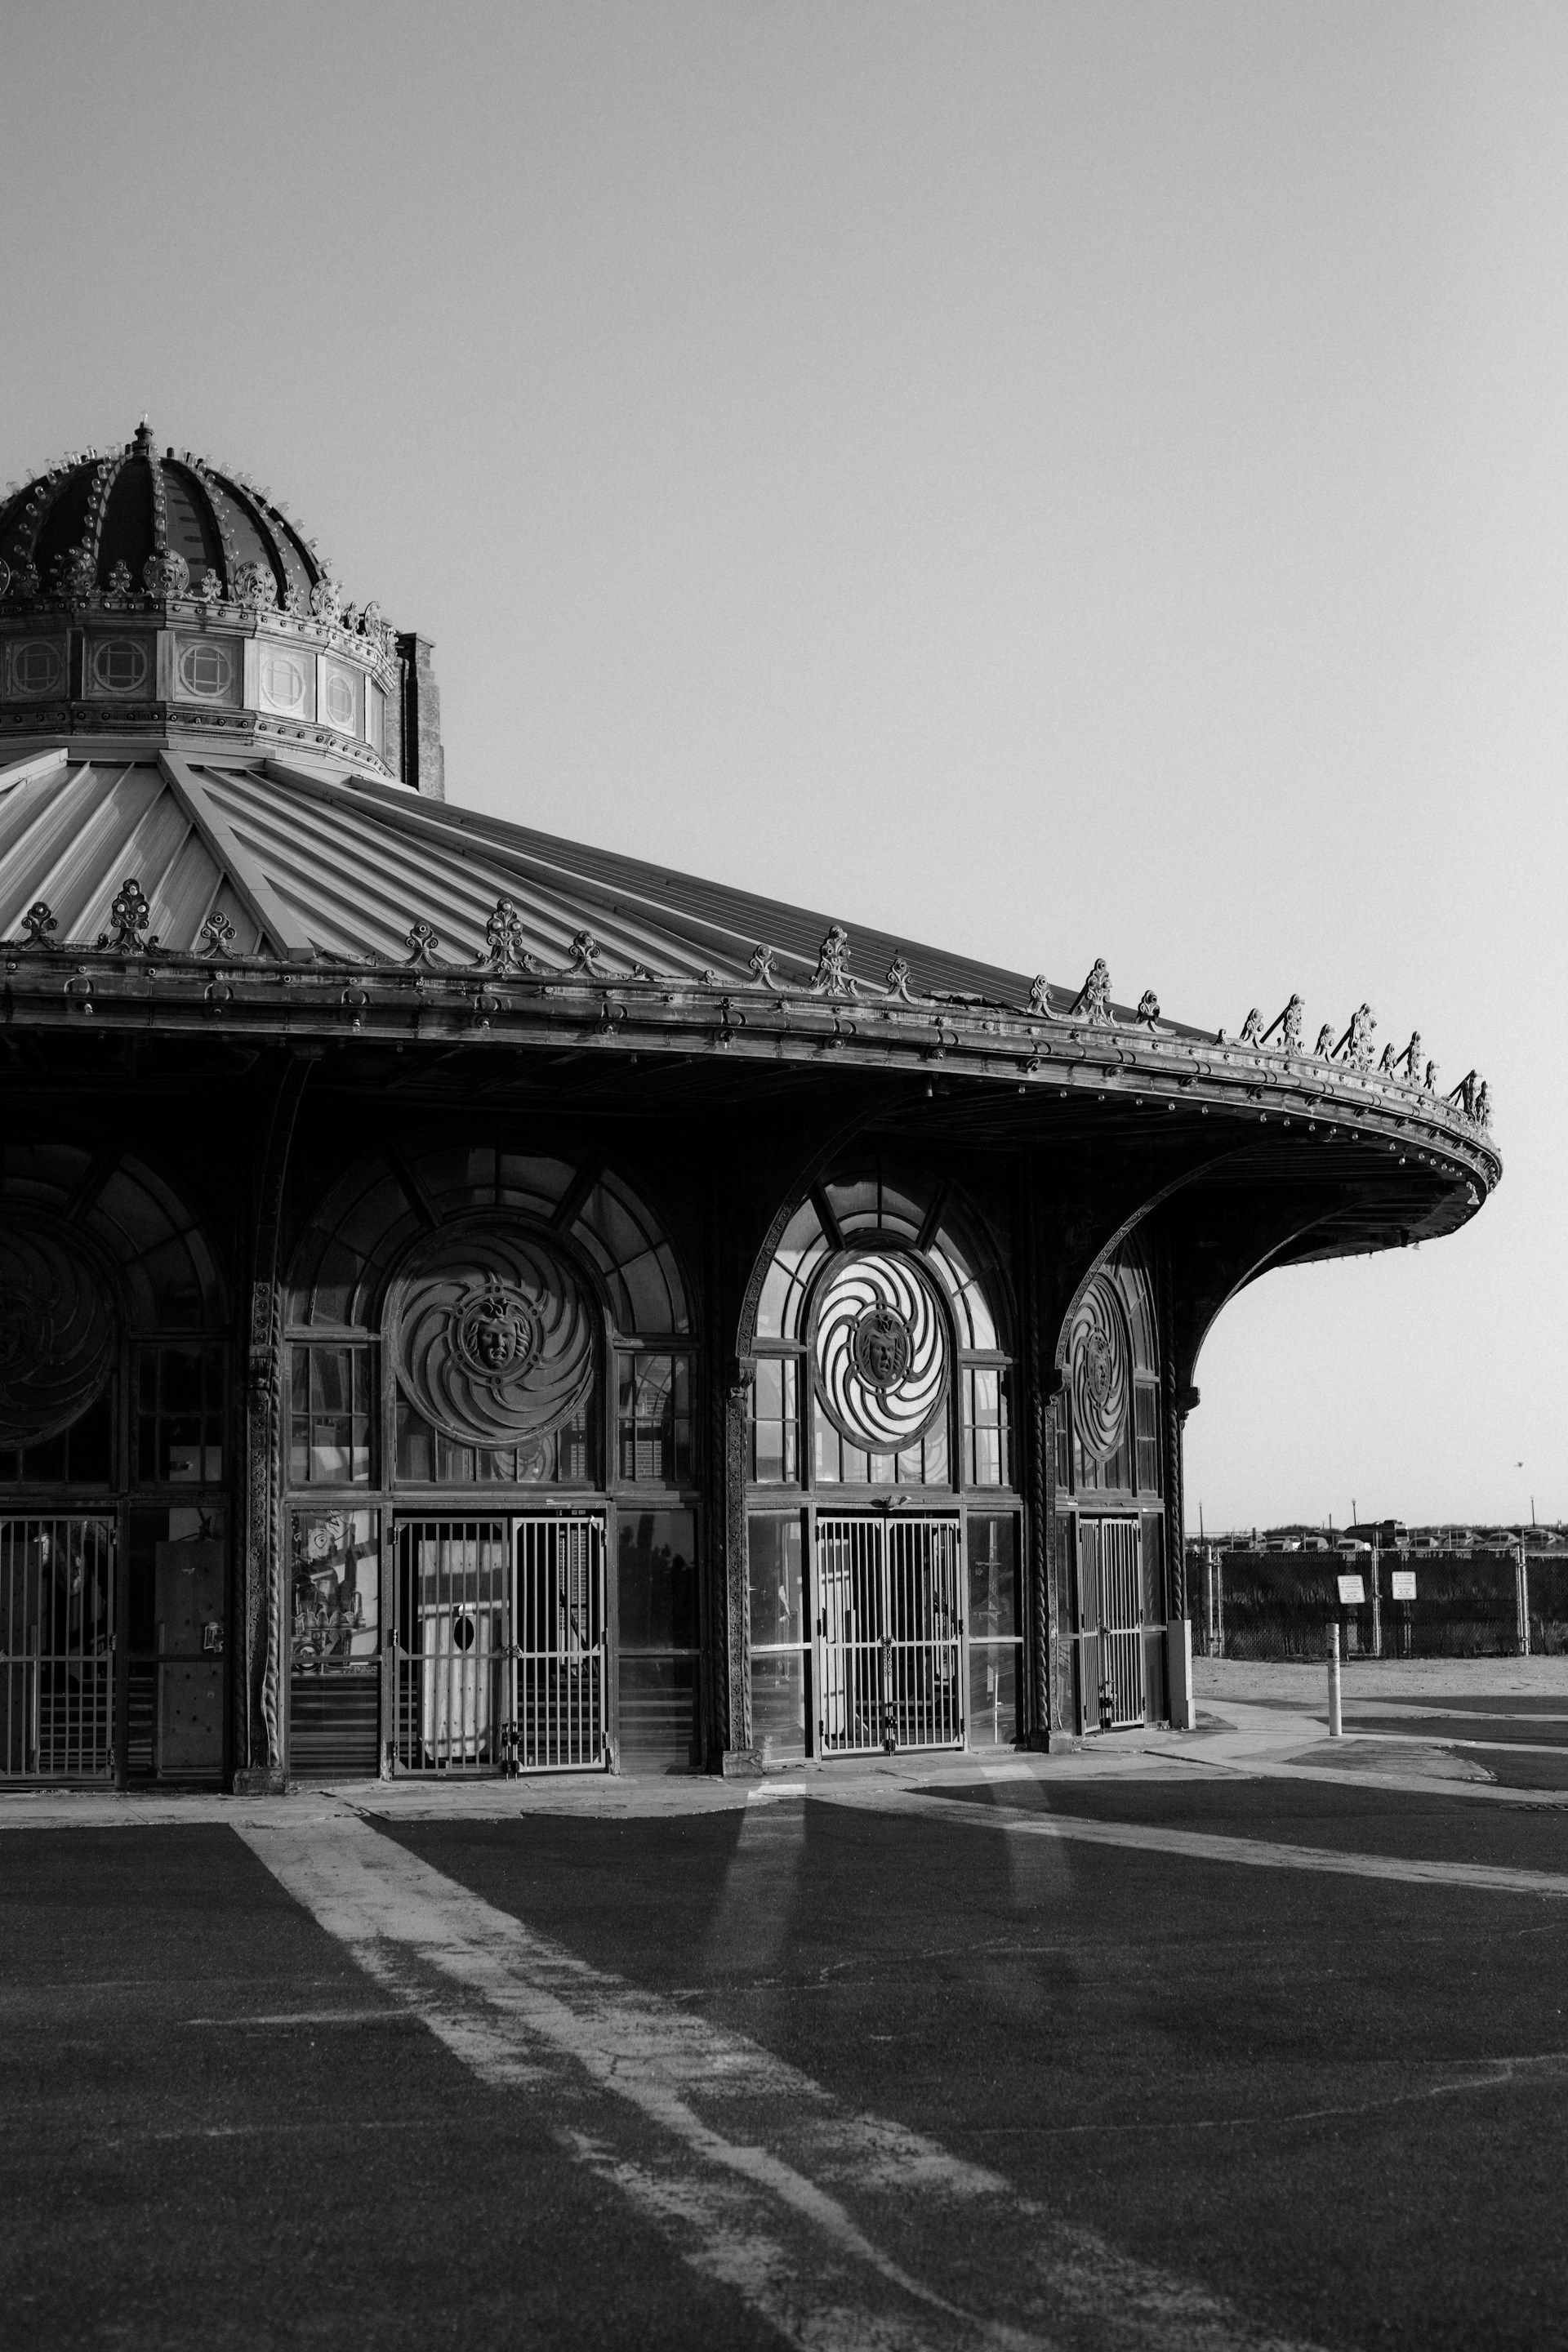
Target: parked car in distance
x=1389, y=1535
x=1316, y=1543
x=1283, y=1543
x=1351, y=1547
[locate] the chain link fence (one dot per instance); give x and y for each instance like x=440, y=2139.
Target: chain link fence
x=1281, y=1605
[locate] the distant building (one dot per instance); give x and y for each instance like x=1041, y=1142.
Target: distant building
x=471, y=1302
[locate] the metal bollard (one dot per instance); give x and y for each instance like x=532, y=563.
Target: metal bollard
x=1334, y=1730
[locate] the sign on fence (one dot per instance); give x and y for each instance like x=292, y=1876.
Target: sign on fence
x=1403, y=1583
x=1352, y=1592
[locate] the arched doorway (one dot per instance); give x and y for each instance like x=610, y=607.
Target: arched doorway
x=491, y=1504
x=115, y=1452
x=1110, y=1486
x=883, y=1513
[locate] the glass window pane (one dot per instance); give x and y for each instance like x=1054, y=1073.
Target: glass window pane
x=992, y=1694
x=993, y=1575
x=659, y=1729
x=778, y=1706
x=768, y=1468
x=337, y=1590
x=657, y=1580
x=774, y=1563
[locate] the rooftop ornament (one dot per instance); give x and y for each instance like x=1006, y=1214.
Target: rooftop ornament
x=1093, y=999
x=128, y=916
x=585, y=957
x=37, y=923
x=832, y=977
x=505, y=949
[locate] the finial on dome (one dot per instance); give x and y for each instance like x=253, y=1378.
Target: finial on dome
x=145, y=435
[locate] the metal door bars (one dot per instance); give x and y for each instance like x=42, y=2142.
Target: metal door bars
x=890, y=1635
x=556, y=1660
x=1121, y=1623
x=57, y=1648
x=500, y=1646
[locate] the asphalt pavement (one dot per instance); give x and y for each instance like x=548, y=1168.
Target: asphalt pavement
x=1235, y=2039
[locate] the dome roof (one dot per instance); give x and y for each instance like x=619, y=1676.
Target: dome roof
x=149, y=598
x=128, y=522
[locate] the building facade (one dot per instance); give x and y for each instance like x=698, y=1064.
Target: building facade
x=472, y=1303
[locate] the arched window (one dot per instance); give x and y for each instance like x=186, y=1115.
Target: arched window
x=490, y=1365
x=464, y=1298
x=883, y=1353
x=883, y=1528
x=1109, y=1432
x=115, y=1450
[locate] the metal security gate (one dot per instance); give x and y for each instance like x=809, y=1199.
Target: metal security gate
x=1121, y=1624
x=57, y=1648
x=498, y=1644
x=556, y=1662
x=890, y=1635
x=450, y=1634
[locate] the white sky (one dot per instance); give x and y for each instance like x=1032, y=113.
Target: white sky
x=1057, y=481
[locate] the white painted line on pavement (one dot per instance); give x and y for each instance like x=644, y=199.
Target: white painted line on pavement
x=1399, y=1784
x=1439, y=1739
x=822, y=2220
x=1205, y=1845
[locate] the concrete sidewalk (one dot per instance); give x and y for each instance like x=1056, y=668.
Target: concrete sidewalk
x=1233, y=1736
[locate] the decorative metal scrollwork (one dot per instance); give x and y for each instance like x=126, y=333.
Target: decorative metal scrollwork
x=832, y=976
x=253, y=587
x=584, y=953
x=1093, y=1000
x=494, y=1337
x=1102, y=1369
x=37, y=923
x=1355, y=1046
x=881, y=1352
x=504, y=941
x=129, y=918
x=57, y=1334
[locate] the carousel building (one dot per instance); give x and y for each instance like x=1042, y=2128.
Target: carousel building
x=472, y=1303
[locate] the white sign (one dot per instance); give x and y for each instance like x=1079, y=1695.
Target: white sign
x=1352, y=1592
x=1403, y=1583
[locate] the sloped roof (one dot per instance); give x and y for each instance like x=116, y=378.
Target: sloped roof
x=307, y=869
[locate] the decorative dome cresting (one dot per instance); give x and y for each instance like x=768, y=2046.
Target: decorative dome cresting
x=127, y=527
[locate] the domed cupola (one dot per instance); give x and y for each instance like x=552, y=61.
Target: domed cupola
x=164, y=598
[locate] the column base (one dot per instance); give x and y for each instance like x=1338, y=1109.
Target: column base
x=261, y=1780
